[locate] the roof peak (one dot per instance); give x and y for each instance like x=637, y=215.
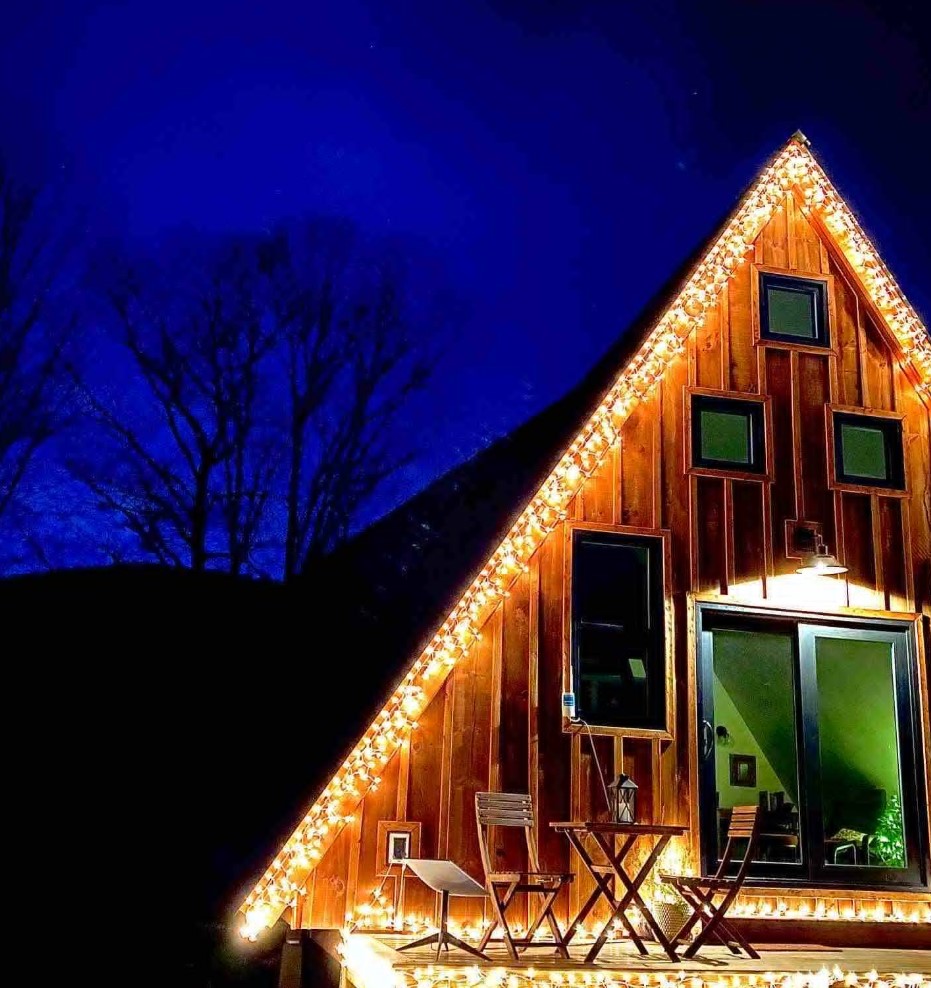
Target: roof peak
x=792, y=172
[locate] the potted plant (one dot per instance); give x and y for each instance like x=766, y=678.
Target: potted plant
x=669, y=908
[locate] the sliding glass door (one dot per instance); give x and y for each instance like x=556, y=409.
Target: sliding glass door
x=816, y=725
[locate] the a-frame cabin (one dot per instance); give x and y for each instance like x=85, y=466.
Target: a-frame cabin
x=773, y=402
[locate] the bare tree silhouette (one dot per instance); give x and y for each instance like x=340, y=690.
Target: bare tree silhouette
x=351, y=362
x=34, y=331
x=184, y=476
x=274, y=371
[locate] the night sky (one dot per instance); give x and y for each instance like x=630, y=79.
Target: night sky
x=558, y=160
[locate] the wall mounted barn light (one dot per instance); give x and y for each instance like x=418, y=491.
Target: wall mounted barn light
x=820, y=561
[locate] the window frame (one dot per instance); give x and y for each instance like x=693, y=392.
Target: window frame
x=816, y=286
x=663, y=536
x=891, y=422
x=762, y=429
x=757, y=273
x=707, y=612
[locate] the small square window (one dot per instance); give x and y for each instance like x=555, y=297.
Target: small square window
x=868, y=451
x=727, y=434
x=793, y=310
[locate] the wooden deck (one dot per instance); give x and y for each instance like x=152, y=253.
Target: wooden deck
x=620, y=962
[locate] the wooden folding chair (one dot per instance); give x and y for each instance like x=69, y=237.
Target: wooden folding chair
x=504, y=809
x=700, y=893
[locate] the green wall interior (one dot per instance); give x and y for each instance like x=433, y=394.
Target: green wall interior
x=754, y=700
x=742, y=742
x=755, y=671
x=859, y=743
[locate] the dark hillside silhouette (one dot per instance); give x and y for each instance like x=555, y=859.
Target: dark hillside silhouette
x=159, y=740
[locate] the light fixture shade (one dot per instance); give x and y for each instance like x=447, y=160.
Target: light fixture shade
x=820, y=563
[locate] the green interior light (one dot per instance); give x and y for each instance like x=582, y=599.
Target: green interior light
x=725, y=436
x=791, y=313
x=864, y=452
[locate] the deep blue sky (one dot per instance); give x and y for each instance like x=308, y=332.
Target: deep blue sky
x=560, y=159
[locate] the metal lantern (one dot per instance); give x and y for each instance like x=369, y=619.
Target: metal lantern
x=623, y=799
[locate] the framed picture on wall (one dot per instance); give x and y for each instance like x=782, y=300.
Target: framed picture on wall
x=743, y=770
x=398, y=840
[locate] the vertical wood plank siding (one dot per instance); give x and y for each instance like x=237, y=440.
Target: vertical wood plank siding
x=498, y=719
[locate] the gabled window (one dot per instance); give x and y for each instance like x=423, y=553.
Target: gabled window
x=618, y=629
x=793, y=310
x=728, y=434
x=868, y=450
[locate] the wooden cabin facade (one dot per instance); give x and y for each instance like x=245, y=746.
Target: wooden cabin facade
x=785, y=407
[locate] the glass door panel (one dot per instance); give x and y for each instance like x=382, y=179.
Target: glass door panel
x=816, y=725
x=752, y=729
x=861, y=784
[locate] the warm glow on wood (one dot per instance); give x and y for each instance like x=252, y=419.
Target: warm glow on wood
x=793, y=171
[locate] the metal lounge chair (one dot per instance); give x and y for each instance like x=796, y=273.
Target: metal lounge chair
x=448, y=879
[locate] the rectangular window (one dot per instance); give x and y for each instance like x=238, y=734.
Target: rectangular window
x=728, y=434
x=868, y=450
x=618, y=629
x=793, y=310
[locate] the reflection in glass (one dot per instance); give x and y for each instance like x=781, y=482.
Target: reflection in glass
x=859, y=750
x=756, y=759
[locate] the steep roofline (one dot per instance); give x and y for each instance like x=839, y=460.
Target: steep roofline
x=793, y=169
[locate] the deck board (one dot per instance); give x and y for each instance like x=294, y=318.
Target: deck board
x=622, y=957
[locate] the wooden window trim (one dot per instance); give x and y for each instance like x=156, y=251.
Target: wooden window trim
x=666, y=733
x=386, y=827
x=767, y=474
x=759, y=340
x=836, y=484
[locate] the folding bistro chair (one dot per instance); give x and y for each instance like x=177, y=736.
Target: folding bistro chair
x=700, y=893
x=504, y=809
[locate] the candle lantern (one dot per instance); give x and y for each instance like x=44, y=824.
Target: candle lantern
x=623, y=799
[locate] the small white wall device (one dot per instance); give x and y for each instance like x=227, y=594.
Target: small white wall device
x=568, y=705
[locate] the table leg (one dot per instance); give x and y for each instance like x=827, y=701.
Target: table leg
x=596, y=892
x=617, y=908
x=632, y=885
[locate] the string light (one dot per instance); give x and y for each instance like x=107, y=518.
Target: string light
x=793, y=171
x=377, y=916
x=367, y=968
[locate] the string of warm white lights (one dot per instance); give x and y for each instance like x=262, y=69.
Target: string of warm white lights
x=377, y=916
x=792, y=171
x=367, y=968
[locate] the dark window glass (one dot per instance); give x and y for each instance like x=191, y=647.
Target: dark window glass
x=727, y=434
x=868, y=451
x=618, y=631
x=793, y=310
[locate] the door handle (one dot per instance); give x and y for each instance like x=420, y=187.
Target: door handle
x=707, y=740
